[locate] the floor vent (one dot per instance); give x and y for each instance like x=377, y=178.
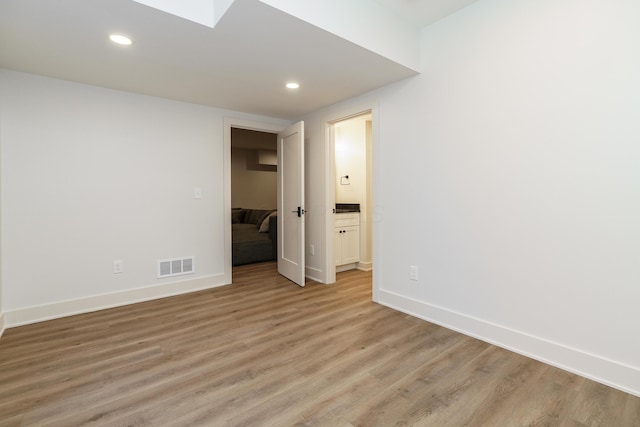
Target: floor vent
x=176, y=267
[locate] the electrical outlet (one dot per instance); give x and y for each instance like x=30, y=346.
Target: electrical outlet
x=413, y=272
x=118, y=267
x=312, y=250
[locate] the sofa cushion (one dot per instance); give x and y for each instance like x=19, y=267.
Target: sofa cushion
x=241, y=233
x=254, y=215
x=251, y=246
x=237, y=216
x=263, y=217
x=264, y=225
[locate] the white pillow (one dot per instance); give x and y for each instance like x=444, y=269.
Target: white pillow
x=264, y=227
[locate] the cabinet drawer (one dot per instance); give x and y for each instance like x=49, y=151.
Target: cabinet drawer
x=347, y=219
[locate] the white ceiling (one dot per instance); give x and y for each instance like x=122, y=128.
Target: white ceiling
x=241, y=64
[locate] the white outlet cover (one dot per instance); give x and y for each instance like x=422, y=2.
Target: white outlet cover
x=413, y=272
x=118, y=267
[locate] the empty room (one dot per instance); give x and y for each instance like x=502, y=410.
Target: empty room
x=487, y=273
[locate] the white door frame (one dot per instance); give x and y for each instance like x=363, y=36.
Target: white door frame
x=232, y=122
x=330, y=191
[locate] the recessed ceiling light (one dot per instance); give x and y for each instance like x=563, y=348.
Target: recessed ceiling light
x=292, y=85
x=120, y=39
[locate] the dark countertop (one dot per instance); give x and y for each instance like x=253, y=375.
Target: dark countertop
x=347, y=207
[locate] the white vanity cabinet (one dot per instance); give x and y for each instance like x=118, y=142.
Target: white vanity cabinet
x=347, y=240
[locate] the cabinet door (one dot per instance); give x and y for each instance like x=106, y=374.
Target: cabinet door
x=350, y=245
x=337, y=246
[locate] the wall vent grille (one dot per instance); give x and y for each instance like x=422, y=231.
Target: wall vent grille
x=176, y=267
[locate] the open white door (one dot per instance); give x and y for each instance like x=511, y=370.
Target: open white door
x=291, y=262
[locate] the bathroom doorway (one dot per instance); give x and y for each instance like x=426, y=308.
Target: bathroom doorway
x=352, y=166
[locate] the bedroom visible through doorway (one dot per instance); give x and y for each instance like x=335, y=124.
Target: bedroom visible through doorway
x=253, y=196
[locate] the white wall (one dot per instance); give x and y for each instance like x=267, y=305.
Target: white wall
x=316, y=154
x=508, y=173
x=91, y=175
x=253, y=185
x=1, y=307
x=253, y=189
x=350, y=161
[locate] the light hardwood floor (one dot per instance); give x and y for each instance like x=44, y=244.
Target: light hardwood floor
x=264, y=352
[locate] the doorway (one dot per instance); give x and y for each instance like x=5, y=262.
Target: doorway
x=325, y=272
x=229, y=125
x=253, y=196
x=351, y=187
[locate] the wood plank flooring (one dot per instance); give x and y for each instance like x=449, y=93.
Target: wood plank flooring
x=263, y=352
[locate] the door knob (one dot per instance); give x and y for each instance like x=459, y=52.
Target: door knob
x=299, y=211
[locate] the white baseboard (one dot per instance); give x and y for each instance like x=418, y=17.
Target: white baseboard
x=365, y=266
x=1, y=323
x=609, y=372
x=314, y=274
x=345, y=267
x=25, y=316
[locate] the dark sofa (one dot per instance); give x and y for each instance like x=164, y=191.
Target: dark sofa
x=249, y=243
